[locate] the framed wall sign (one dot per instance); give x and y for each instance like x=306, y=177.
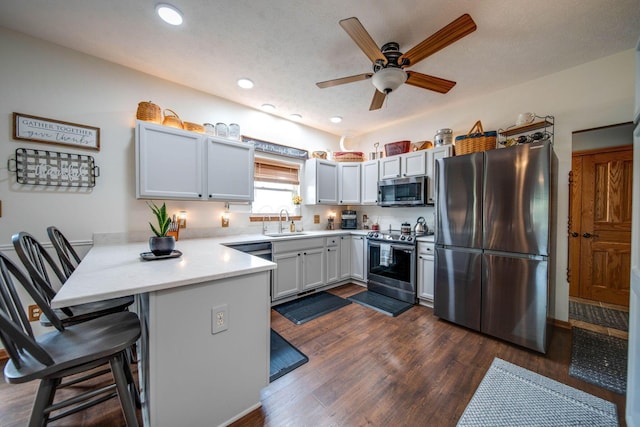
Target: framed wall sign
x=38, y=129
x=270, y=147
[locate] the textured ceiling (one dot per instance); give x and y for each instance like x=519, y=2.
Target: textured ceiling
x=286, y=46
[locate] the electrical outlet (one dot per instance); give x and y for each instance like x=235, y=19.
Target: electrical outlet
x=316, y=219
x=34, y=313
x=219, y=319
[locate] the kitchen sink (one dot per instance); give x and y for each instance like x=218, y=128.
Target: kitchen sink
x=286, y=234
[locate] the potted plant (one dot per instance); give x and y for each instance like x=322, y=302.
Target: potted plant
x=161, y=244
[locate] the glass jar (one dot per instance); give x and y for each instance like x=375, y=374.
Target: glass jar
x=443, y=137
x=234, y=131
x=221, y=130
x=209, y=129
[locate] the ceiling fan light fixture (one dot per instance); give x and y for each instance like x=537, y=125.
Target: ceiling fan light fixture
x=389, y=79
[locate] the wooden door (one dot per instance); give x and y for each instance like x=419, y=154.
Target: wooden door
x=600, y=225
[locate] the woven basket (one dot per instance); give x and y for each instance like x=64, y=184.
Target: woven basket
x=319, y=155
x=194, y=127
x=172, y=119
x=149, y=112
x=348, y=156
x=394, y=148
x=476, y=140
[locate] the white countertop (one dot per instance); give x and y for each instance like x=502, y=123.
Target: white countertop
x=112, y=271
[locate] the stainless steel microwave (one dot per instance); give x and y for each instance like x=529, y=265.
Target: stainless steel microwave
x=410, y=191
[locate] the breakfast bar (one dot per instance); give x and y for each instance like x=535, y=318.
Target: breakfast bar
x=195, y=368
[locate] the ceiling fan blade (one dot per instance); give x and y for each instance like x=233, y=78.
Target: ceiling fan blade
x=354, y=28
x=377, y=101
x=343, y=80
x=429, y=82
x=441, y=39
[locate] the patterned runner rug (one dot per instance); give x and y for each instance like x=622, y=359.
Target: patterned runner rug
x=597, y=315
x=599, y=359
x=510, y=395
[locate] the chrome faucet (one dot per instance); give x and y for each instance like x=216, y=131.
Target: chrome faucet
x=281, y=229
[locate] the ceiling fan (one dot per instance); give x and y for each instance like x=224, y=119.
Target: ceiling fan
x=389, y=63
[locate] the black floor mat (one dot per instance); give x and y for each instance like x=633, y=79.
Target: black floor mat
x=384, y=304
x=597, y=315
x=284, y=357
x=599, y=359
x=308, y=308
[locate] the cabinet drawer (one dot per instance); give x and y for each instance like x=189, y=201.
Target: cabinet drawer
x=297, y=245
x=333, y=241
x=426, y=248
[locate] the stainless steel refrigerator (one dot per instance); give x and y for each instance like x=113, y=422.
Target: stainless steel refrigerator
x=495, y=223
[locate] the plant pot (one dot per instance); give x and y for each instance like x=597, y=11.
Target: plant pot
x=162, y=245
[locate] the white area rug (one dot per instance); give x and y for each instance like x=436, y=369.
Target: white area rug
x=509, y=395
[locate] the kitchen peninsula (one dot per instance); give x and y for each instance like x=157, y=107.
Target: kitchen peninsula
x=189, y=375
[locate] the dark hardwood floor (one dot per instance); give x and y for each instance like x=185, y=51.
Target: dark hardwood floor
x=365, y=368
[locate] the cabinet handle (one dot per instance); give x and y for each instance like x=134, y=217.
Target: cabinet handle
x=574, y=234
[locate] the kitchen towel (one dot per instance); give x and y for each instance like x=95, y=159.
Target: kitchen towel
x=386, y=254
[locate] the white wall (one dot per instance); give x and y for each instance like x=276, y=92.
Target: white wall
x=46, y=80
x=595, y=94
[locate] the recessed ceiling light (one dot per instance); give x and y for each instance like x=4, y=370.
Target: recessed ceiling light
x=268, y=107
x=295, y=117
x=245, y=83
x=335, y=119
x=169, y=14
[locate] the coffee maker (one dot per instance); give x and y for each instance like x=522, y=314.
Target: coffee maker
x=349, y=220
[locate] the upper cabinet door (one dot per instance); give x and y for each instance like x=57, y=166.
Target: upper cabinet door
x=321, y=182
x=169, y=162
x=414, y=164
x=229, y=170
x=390, y=167
x=369, y=191
x=433, y=154
x=349, y=183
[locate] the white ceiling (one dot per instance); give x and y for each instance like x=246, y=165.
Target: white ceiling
x=286, y=46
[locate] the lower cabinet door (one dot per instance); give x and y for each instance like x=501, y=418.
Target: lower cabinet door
x=313, y=268
x=333, y=264
x=426, y=265
x=286, y=278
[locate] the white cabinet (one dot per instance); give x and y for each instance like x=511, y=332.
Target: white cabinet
x=369, y=182
x=390, y=167
x=434, y=154
x=349, y=183
x=287, y=277
x=313, y=265
x=358, y=244
x=177, y=164
x=404, y=165
x=345, y=257
x=169, y=162
x=321, y=182
x=301, y=266
x=426, y=273
x=229, y=170
x=414, y=163
x=333, y=259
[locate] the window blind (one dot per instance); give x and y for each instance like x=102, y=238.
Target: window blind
x=273, y=171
